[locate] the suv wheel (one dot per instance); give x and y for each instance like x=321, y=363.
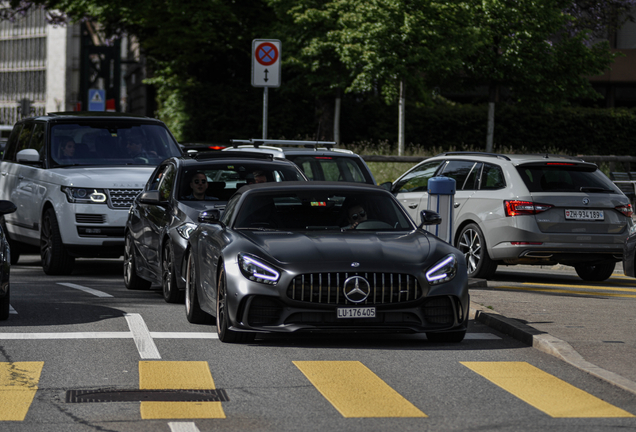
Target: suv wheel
x=171, y=293
x=595, y=272
x=472, y=244
x=55, y=259
x=131, y=278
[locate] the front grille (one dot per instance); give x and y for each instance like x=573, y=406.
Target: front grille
x=327, y=288
x=122, y=198
x=439, y=310
x=90, y=218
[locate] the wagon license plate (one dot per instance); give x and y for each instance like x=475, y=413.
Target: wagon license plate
x=361, y=312
x=584, y=214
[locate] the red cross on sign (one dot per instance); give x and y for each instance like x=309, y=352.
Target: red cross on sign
x=266, y=54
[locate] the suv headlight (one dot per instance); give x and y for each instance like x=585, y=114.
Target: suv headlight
x=84, y=195
x=256, y=270
x=443, y=271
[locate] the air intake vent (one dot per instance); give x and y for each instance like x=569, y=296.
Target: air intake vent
x=85, y=218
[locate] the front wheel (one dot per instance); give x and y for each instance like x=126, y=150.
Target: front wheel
x=171, y=293
x=595, y=272
x=4, y=306
x=222, y=318
x=55, y=258
x=472, y=244
x=131, y=279
x=194, y=313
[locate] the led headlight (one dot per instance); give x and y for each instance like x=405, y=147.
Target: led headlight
x=255, y=270
x=186, y=229
x=84, y=195
x=443, y=271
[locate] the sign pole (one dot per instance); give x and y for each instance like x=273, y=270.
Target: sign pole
x=265, y=107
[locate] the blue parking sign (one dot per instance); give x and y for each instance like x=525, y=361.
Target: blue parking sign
x=96, y=100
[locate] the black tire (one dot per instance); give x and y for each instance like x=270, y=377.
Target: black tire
x=131, y=279
x=447, y=337
x=222, y=319
x=14, y=246
x=472, y=244
x=55, y=259
x=4, y=306
x=595, y=272
x=194, y=313
x=171, y=293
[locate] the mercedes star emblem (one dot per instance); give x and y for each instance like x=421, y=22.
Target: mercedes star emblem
x=356, y=289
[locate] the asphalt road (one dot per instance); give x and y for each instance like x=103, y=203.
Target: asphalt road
x=82, y=353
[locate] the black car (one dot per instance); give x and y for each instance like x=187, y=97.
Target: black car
x=323, y=256
x=6, y=207
x=163, y=215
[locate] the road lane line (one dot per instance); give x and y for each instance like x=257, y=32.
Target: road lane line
x=18, y=385
x=355, y=391
x=177, y=375
x=106, y=335
x=183, y=335
x=558, y=291
x=12, y=311
x=145, y=345
x=85, y=289
x=545, y=392
x=183, y=427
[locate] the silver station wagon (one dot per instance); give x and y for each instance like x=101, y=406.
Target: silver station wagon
x=526, y=209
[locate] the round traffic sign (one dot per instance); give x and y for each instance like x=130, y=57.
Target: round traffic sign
x=266, y=54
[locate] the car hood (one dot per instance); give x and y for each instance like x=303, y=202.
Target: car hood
x=343, y=247
x=128, y=177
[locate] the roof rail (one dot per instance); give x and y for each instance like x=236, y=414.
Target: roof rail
x=231, y=154
x=259, y=142
x=476, y=154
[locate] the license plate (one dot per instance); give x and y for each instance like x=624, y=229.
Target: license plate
x=584, y=214
x=361, y=312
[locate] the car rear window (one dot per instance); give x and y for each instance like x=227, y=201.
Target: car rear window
x=565, y=178
x=330, y=168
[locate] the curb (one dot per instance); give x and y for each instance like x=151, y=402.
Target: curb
x=546, y=343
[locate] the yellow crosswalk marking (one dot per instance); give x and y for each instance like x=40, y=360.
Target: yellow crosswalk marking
x=18, y=385
x=177, y=375
x=590, y=287
x=545, y=392
x=561, y=291
x=355, y=391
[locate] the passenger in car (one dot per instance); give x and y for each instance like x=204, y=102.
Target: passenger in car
x=257, y=177
x=199, y=184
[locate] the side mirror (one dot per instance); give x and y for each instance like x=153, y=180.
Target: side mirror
x=387, y=185
x=28, y=156
x=150, y=197
x=7, y=207
x=212, y=216
x=429, y=217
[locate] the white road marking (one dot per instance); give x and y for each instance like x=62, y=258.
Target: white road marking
x=183, y=427
x=12, y=311
x=145, y=345
x=183, y=335
x=85, y=289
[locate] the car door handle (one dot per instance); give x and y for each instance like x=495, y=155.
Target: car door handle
x=456, y=205
x=20, y=177
x=413, y=206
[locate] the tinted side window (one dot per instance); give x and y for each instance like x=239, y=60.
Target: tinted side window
x=230, y=209
x=417, y=179
x=12, y=144
x=459, y=170
x=492, y=178
x=564, y=178
x=167, y=184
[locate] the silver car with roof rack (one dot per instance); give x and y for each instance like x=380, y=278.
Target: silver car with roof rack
x=526, y=209
x=319, y=160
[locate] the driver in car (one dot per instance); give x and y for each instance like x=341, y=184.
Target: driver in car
x=356, y=215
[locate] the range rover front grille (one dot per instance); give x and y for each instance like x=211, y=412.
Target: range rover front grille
x=122, y=198
x=327, y=288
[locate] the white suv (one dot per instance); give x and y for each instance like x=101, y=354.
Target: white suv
x=73, y=177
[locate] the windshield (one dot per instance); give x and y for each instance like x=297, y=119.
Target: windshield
x=322, y=210
x=111, y=143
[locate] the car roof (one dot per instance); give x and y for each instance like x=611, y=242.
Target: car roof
x=90, y=115
x=281, y=148
x=230, y=157
x=315, y=185
x=515, y=159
